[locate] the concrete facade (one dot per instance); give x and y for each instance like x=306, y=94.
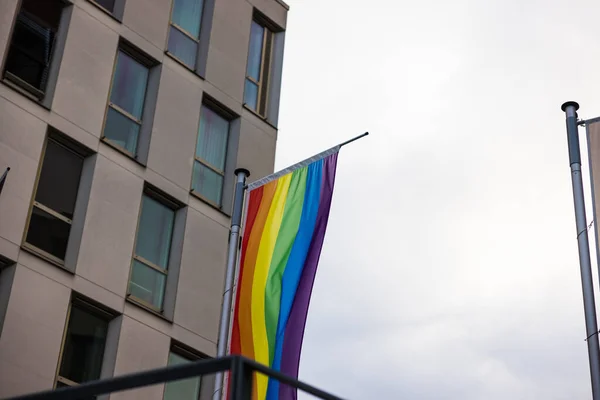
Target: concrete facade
x=35, y=294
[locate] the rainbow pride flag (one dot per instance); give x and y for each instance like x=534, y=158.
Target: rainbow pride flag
x=285, y=226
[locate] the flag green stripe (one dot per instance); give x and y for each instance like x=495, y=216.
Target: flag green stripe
x=283, y=247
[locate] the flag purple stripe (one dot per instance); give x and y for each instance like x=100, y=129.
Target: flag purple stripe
x=294, y=332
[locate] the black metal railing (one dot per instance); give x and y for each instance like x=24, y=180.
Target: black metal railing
x=241, y=375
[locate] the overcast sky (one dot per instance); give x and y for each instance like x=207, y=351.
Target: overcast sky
x=450, y=267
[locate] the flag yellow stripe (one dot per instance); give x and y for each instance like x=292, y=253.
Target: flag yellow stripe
x=261, y=272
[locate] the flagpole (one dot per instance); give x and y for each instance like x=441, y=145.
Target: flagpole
x=3, y=178
x=570, y=108
x=234, y=236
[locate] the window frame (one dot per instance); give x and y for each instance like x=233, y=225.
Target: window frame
x=154, y=194
x=53, y=135
x=42, y=97
x=148, y=63
x=205, y=26
x=191, y=355
x=263, y=85
x=229, y=116
x=90, y=307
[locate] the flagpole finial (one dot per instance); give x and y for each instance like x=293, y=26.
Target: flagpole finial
x=241, y=171
x=570, y=104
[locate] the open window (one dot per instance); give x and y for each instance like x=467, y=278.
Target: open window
x=36, y=46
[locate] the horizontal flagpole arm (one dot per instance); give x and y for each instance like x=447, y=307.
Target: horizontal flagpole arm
x=300, y=164
x=353, y=139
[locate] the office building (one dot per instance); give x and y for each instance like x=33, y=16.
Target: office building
x=122, y=122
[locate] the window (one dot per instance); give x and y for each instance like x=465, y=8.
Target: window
x=33, y=44
x=185, y=389
x=184, y=32
x=257, y=70
x=83, y=344
x=54, y=199
x=126, y=102
x=211, y=152
x=150, y=262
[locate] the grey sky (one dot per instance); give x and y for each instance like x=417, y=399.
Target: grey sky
x=450, y=267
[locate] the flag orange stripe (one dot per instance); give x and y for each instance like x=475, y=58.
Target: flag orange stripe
x=254, y=237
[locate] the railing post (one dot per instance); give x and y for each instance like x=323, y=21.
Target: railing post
x=241, y=380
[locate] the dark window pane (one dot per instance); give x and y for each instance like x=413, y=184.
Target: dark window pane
x=212, y=138
x=154, y=232
x=84, y=346
x=207, y=183
x=47, y=11
x=107, y=4
x=121, y=130
x=255, y=51
x=48, y=233
x=59, y=179
x=251, y=94
x=129, y=85
x=186, y=389
x=188, y=14
x=147, y=284
x=182, y=47
x=30, y=51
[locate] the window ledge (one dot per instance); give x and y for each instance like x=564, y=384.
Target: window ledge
x=121, y=150
x=31, y=249
x=143, y=305
x=105, y=11
x=24, y=90
x=257, y=115
x=209, y=203
x=184, y=65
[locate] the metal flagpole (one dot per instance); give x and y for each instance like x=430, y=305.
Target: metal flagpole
x=234, y=236
x=3, y=178
x=570, y=108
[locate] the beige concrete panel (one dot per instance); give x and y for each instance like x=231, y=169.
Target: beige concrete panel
x=85, y=72
x=142, y=43
x=133, y=355
x=110, y=227
x=45, y=268
x=209, y=211
x=194, y=341
x=32, y=334
x=121, y=160
x=8, y=9
x=175, y=128
x=24, y=102
x=201, y=276
x=273, y=9
x=21, y=139
x=228, y=49
x=9, y=249
x=223, y=98
x=98, y=13
x=73, y=131
x=98, y=293
x=15, y=380
x=149, y=19
x=256, y=150
x=167, y=186
x=148, y=318
x=258, y=122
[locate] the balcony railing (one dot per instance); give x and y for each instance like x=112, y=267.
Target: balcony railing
x=241, y=374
